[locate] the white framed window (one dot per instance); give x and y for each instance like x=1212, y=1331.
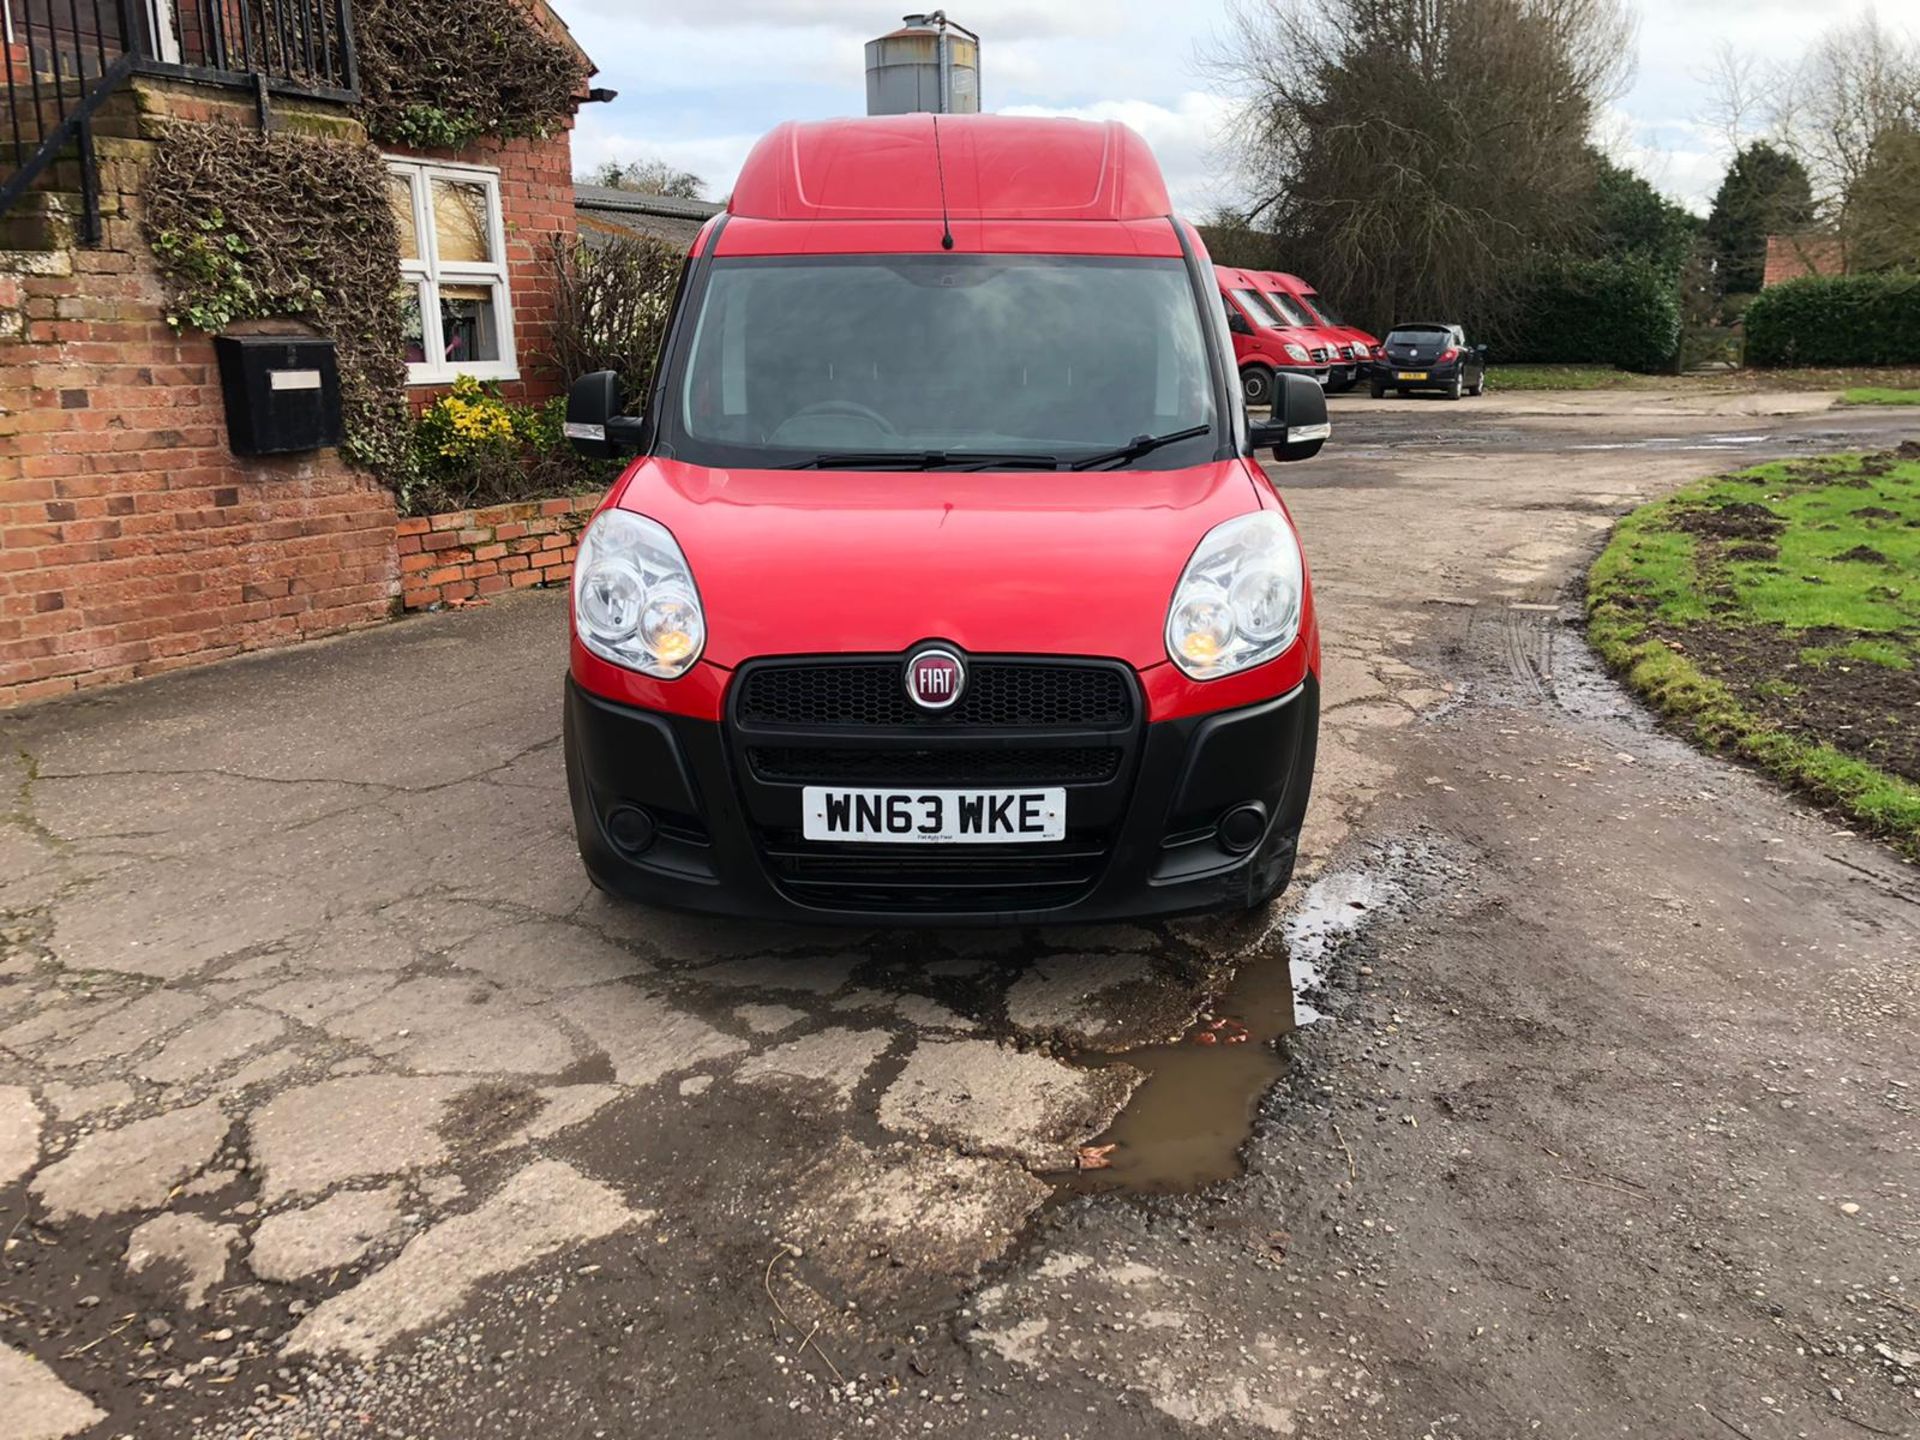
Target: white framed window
x=453, y=272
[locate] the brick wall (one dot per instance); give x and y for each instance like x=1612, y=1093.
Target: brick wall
x=474, y=553
x=132, y=541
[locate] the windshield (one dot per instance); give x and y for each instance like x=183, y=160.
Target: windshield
x=1324, y=310
x=846, y=360
x=1290, y=308
x=1255, y=304
x=1419, y=335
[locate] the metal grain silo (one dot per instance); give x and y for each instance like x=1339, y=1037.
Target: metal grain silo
x=929, y=64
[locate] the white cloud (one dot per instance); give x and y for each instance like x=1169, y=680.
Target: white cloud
x=699, y=83
x=1185, y=137
x=716, y=159
x=1683, y=159
x=1002, y=20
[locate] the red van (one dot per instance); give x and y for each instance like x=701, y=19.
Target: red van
x=1352, y=350
x=1266, y=343
x=943, y=585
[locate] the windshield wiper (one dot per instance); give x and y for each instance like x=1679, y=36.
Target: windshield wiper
x=924, y=460
x=1136, y=447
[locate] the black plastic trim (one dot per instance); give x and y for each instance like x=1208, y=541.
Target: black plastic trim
x=1229, y=405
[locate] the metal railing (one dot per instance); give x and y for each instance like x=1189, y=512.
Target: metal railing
x=65, y=58
x=303, y=47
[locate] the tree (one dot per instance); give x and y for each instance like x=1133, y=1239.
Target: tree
x=651, y=175
x=1232, y=240
x=1632, y=220
x=1414, y=153
x=1858, y=82
x=1766, y=192
x=1881, y=223
x=1746, y=95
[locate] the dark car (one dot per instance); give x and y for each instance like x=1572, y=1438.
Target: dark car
x=1428, y=356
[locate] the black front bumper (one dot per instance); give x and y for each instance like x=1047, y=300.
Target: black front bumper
x=721, y=803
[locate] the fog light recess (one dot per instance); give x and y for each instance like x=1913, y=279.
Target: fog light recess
x=1241, y=828
x=630, y=828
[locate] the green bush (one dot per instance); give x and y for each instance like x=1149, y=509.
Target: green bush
x=1836, y=320
x=472, y=448
x=1623, y=311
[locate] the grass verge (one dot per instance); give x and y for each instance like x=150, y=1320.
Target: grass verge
x=1774, y=614
x=1561, y=377
x=1878, y=395
x=1893, y=386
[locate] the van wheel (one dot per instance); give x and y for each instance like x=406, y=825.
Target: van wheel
x=1378, y=389
x=1256, y=384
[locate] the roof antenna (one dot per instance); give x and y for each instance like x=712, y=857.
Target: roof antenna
x=940, y=168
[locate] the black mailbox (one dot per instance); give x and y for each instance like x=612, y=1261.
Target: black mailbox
x=282, y=392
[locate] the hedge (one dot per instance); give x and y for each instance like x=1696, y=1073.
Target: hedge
x=1623, y=312
x=1836, y=320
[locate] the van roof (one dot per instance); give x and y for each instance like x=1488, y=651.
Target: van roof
x=996, y=167
x=1287, y=282
x=1231, y=277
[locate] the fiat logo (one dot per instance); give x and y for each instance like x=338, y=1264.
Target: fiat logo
x=935, y=678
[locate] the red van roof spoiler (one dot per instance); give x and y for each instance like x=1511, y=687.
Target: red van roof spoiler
x=998, y=167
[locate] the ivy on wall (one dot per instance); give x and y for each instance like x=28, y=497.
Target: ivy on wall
x=249, y=226
x=441, y=74
x=289, y=225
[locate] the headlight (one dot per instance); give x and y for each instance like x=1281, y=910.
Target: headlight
x=634, y=602
x=1238, y=601
x=1298, y=352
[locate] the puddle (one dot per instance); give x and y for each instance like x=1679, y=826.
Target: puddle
x=1378, y=436
x=1184, y=1127
x=1681, y=442
x=1335, y=908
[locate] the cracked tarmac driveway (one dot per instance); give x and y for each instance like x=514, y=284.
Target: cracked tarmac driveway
x=334, y=1100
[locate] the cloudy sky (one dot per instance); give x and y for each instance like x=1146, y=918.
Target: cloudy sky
x=699, y=83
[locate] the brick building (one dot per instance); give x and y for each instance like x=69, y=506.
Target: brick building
x=1794, y=257
x=132, y=540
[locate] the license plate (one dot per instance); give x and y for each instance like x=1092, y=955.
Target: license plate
x=1410, y=375
x=1321, y=378
x=934, y=817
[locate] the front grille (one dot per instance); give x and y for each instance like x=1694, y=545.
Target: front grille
x=1019, y=722
x=1318, y=354
x=1346, y=352
x=1004, y=694
x=1069, y=765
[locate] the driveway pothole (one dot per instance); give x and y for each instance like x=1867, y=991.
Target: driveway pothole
x=1187, y=1121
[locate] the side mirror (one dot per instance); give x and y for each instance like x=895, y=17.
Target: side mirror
x=1237, y=323
x=594, y=424
x=1299, y=425
x=1481, y=351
